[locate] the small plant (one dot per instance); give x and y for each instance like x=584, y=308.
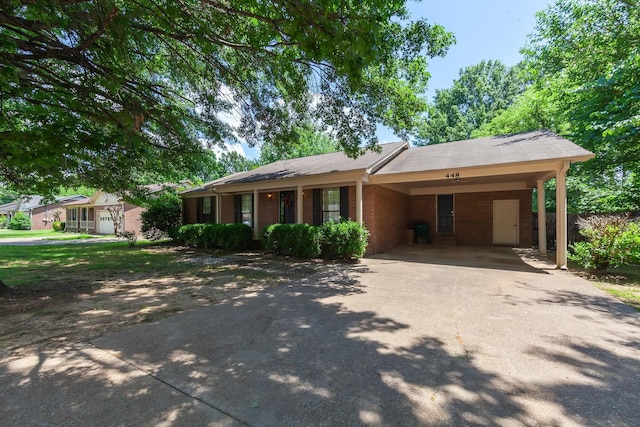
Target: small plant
x=611, y=241
x=58, y=226
x=20, y=221
x=132, y=238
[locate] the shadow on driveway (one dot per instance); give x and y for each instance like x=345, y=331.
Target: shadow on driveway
x=378, y=343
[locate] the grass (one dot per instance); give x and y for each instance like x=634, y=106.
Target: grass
x=15, y=234
x=623, y=283
x=26, y=265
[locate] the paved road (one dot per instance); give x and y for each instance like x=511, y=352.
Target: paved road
x=416, y=337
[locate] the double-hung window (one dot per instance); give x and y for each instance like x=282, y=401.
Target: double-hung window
x=331, y=204
x=244, y=209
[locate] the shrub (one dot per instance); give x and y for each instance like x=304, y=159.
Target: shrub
x=132, y=238
x=343, y=240
x=3, y=221
x=298, y=240
x=161, y=215
x=611, y=241
x=20, y=221
x=222, y=236
x=58, y=226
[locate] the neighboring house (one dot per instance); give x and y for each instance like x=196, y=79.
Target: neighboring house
x=91, y=214
x=472, y=192
x=40, y=212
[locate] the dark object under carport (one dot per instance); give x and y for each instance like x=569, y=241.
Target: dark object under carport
x=422, y=232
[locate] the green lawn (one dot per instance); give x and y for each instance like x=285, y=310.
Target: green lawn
x=14, y=234
x=25, y=265
x=623, y=283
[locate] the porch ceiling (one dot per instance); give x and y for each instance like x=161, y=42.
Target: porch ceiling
x=515, y=181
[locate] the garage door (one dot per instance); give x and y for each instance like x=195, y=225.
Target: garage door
x=105, y=223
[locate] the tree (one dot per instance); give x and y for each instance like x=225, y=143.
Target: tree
x=310, y=141
x=589, y=51
x=100, y=93
x=115, y=212
x=476, y=97
x=161, y=214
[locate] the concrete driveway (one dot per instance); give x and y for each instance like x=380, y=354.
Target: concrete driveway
x=420, y=336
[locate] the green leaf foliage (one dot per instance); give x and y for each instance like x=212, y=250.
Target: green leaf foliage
x=611, y=241
x=215, y=236
x=345, y=240
x=20, y=221
x=161, y=214
x=480, y=93
x=297, y=240
x=112, y=94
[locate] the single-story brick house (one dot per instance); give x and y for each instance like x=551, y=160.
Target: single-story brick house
x=472, y=192
x=42, y=213
x=91, y=214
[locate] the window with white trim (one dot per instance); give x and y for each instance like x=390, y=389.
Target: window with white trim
x=331, y=204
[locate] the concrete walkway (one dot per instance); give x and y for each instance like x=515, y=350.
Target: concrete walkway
x=420, y=336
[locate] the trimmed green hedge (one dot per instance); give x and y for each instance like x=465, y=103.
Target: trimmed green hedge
x=333, y=240
x=343, y=240
x=221, y=236
x=298, y=240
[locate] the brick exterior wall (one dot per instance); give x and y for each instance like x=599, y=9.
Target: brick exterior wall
x=228, y=210
x=132, y=218
x=386, y=216
x=40, y=213
x=474, y=217
x=268, y=209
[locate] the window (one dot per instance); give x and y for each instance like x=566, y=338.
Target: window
x=84, y=214
x=244, y=209
x=330, y=204
x=205, y=209
x=206, y=206
x=74, y=214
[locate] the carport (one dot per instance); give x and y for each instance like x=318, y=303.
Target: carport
x=478, y=192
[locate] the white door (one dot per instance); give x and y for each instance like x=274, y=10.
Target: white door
x=506, y=227
x=105, y=223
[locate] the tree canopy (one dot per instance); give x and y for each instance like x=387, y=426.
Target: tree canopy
x=475, y=98
x=103, y=93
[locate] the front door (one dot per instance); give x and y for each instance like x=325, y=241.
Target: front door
x=287, y=207
x=506, y=229
x=445, y=213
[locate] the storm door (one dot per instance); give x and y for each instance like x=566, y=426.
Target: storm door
x=445, y=213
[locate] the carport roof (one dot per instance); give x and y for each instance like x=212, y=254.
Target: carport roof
x=496, y=150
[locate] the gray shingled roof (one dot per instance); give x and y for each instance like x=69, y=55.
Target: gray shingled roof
x=496, y=150
x=312, y=165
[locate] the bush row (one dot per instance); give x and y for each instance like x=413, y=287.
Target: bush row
x=221, y=236
x=332, y=240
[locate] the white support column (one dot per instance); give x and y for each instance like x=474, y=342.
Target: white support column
x=542, y=220
x=561, y=217
x=256, y=230
x=218, y=208
x=359, y=201
x=299, y=205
